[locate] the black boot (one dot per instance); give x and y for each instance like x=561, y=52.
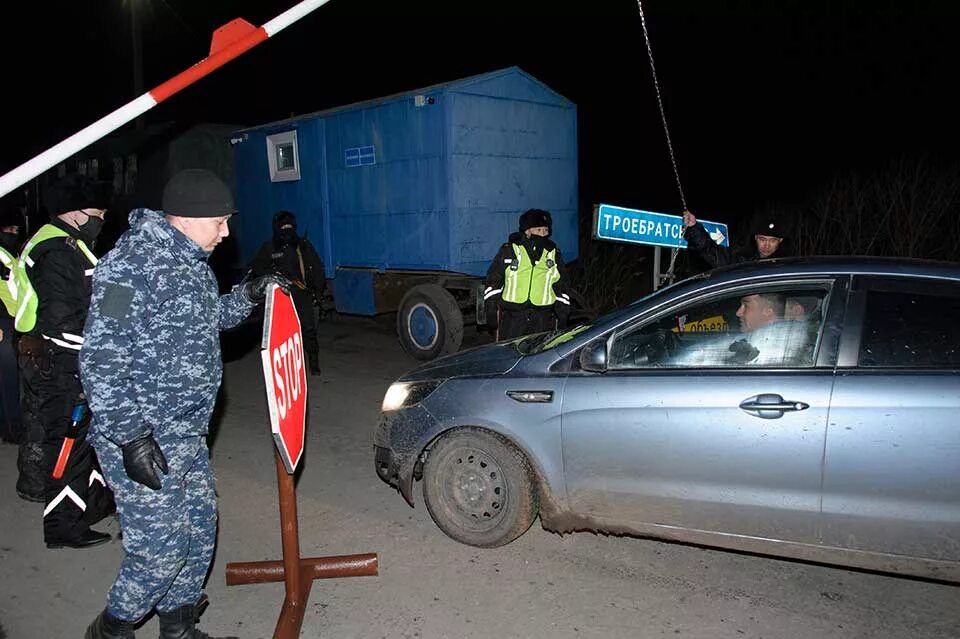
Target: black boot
x=106, y=626
x=85, y=539
x=181, y=624
x=30, y=465
x=313, y=360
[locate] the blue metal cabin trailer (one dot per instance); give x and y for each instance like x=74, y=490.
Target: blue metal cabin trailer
x=408, y=197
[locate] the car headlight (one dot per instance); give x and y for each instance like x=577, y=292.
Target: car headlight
x=404, y=394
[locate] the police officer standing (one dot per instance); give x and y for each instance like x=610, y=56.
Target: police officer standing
x=295, y=258
x=151, y=367
x=53, y=276
x=526, y=284
x=11, y=220
x=768, y=231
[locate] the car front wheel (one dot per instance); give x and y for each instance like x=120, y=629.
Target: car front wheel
x=479, y=489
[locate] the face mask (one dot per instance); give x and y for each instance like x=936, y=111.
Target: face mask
x=91, y=228
x=10, y=241
x=536, y=244
x=287, y=236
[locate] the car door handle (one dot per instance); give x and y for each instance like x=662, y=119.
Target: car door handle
x=770, y=405
x=530, y=397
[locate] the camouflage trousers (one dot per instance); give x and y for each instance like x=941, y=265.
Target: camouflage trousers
x=168, y=534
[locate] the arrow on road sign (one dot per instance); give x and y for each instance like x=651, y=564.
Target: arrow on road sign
x=633, y=226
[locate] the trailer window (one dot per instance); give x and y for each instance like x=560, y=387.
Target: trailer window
x=359, y=156
x=283, y=156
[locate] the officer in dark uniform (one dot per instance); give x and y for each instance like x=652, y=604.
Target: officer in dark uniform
x=768, y=230
x=526, y=285
x=11, y=221
x=53, y=276
x=294, y=257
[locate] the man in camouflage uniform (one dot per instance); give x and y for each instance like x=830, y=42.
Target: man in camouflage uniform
x=151, y=368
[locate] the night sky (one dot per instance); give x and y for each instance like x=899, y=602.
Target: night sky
x=766, y=100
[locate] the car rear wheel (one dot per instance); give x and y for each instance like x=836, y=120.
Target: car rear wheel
x=479, y=489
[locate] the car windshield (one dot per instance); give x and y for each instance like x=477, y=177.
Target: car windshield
x=540, y=342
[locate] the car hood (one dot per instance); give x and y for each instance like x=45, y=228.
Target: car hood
x=492, y=359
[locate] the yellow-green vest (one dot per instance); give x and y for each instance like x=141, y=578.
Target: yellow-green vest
x=26, y=316
x=8, y=287
x=526, y=280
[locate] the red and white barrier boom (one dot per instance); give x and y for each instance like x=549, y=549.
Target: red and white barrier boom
x=229, y=41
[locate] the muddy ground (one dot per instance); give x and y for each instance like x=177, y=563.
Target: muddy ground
x=543, y=585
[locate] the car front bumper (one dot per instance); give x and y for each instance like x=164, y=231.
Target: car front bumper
x=398, y=442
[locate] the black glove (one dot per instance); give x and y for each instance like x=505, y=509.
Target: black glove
x=142, y=458
x=743, y=352
x=255, y=290
x=658, y=348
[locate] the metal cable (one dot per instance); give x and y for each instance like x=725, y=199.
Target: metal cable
x=666, y=130
x=663, y=115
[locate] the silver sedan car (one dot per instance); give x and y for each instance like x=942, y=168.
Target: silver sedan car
x=798, y=408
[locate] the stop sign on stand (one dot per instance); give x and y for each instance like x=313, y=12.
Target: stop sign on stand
x=284, y=374
x=286, y=385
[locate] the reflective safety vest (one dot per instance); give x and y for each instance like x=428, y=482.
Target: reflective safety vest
x=526, y=280
x=8, y=287
x=26, y=316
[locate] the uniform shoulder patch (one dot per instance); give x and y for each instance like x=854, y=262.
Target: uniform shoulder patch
x=117, y=299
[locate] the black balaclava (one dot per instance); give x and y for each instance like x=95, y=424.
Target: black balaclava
x=10, y=241
x=284, y=229
x=11, y=214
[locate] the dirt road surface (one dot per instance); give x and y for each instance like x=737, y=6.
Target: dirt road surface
x=542, y=585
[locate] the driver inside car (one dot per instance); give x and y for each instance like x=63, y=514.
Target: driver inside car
x=772, y=339
x=774, y=331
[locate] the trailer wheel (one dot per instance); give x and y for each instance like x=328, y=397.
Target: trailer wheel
x=429, y=322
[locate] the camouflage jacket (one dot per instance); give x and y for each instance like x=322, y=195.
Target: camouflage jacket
x=150, y=361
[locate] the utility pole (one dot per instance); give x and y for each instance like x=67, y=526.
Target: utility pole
x=137, y=54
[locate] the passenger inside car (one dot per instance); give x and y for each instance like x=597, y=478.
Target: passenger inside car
x=803, y=307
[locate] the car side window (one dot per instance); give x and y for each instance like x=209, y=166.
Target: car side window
x=910, y=330
x=759, y=327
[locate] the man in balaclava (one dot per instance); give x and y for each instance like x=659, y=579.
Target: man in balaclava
x=526, y=285
x=11, y=221
x=294, y=257
x=54, y=278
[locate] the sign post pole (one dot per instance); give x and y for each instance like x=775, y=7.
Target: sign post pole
x=287, y=397
x=296, y=588
x=656, y=268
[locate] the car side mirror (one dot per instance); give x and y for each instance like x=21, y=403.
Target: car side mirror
x=593, y=356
